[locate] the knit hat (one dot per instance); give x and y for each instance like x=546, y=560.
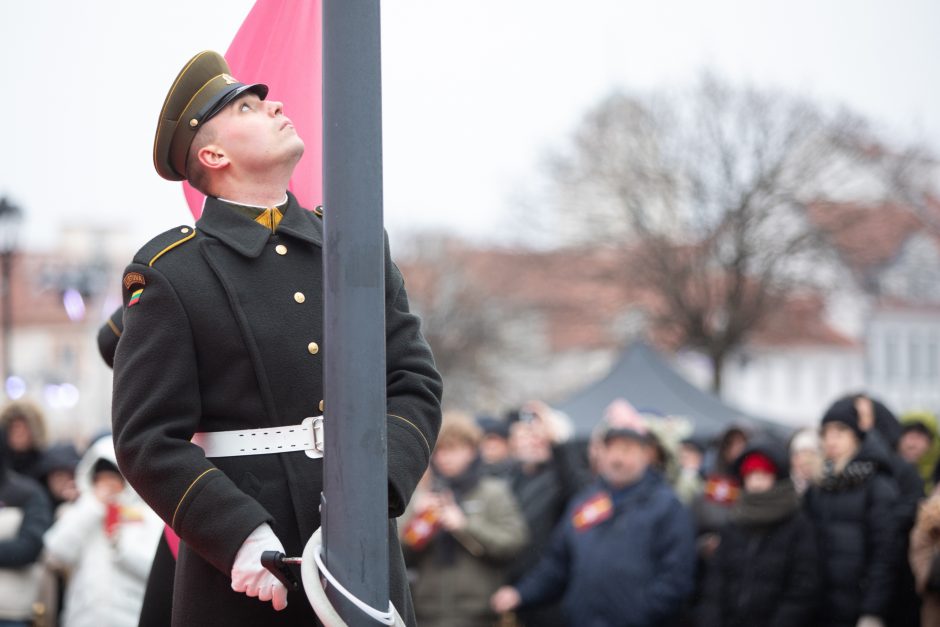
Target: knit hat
x=843, y=411
x=757, y=462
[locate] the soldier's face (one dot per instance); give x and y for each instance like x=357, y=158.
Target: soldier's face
x=255, y=134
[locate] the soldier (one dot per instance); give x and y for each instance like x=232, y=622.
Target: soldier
x=222, y=333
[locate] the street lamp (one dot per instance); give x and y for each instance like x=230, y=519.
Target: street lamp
x=10, y=218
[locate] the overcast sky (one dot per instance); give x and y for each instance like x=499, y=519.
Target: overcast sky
x=475, y=91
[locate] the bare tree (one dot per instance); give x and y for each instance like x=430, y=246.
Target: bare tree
x=471, y=329
x=706, y=194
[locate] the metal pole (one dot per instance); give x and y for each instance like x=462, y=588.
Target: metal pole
x=355, y=509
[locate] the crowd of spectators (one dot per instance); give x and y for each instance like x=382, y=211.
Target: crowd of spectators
x=835, y=525
x=519, y=522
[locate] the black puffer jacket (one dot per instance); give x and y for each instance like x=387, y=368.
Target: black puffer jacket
x=766, y=570
x=856, y=523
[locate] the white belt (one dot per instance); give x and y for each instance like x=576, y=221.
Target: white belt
x=307, y=437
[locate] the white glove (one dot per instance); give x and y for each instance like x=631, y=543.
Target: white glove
x=870, y=621
x=250, y=577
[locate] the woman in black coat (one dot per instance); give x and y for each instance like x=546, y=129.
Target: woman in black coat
x=852, y=508
x=765, y=570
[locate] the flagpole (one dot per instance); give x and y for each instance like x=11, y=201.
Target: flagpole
x=355, y=499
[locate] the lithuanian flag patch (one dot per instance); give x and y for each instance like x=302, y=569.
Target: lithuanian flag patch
x=135, y=297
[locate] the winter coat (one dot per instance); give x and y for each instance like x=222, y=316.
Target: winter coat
x=629, y=569
x=856, y=523
x=456, y=574
x=223, y=330
x=763, y=573
x=108, y=550
x=25, y=514
x=766, y=569
x=924, y=558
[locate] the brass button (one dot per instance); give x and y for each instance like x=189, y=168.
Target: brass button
x=313, y=347
x=194, y=122
x=321, y=405
x=185, y=229
x=280, y=249
x=299, y=297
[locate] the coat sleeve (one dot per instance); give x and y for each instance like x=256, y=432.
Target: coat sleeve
x=674, y=554
x=800, y=597
x=65, y=540
x=708, y=612
x=156, y=409
x=547, y=581
x=883, y=547
x=413, y=393
x=500, y=530
x=24, y=548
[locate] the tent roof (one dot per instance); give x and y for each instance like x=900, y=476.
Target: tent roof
x=650, y=384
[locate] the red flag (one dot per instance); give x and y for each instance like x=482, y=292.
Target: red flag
x=280, y=44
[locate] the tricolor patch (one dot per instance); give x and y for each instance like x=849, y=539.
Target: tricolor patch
x=594, y=511
x=135, y=297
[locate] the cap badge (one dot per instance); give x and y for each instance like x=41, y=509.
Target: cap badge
x=229, y=79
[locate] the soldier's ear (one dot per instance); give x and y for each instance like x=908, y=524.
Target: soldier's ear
x=212, y=157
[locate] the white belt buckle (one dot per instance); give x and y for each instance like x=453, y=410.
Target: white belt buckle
x=315, y=423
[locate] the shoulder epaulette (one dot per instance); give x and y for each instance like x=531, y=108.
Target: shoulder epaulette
x=164, y=243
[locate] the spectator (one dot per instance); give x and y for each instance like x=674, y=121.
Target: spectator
x=883, y=432
x=765, y=570
x=542, y=482
x=852, y=507
x=494, y=447
x=107, y=540
x=624, y=553
x=691, y=459
x=25, y=429
x=25, y=515
x=712, y=508
x=920, y=446
x=925, y=560
x=57, y=473
x=806, y=460
x=458, y=531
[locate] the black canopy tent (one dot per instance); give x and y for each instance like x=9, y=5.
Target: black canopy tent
x=644, y=378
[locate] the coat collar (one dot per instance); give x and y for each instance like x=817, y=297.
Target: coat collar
x=248, y=237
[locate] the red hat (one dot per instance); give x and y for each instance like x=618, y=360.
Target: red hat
x=757, y=462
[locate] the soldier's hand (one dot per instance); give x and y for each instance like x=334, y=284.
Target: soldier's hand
x=253, y=579
x=505, y=599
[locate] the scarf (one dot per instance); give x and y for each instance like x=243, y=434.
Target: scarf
x=854, y=474
x=758, y=509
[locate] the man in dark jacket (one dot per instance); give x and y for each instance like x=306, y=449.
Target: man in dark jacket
x=624, y=554
x=25, y=514
x=765, y=570
x=853, y=510
x=222, y=333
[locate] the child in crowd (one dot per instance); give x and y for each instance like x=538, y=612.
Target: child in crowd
x=107, y=540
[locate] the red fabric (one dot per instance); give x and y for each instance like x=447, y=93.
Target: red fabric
x=757, y=462
x=172, y=540
x=279, y=44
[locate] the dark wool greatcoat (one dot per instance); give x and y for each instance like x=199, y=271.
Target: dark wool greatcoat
x=226, y=335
